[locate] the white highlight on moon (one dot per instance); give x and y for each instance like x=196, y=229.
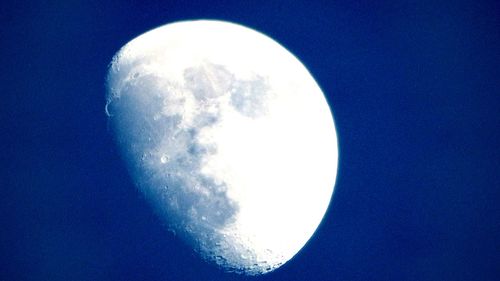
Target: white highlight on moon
x=228, y=136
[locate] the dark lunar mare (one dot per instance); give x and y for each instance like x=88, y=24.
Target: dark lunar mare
x=177, y=187
x=161, y=144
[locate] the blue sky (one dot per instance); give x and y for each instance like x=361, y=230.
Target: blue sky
x=413, y=86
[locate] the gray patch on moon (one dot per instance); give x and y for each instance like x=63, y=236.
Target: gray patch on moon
x=159, y=132
x=166, y=158
x=249, y=96
x=209, y=81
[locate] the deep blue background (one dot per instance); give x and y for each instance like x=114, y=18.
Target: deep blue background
x=414, y=88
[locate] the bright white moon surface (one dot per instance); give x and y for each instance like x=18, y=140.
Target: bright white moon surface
x=228, y=136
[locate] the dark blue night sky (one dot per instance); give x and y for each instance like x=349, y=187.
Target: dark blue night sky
x=414, y=88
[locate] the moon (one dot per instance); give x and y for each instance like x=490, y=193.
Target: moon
x=228, y=136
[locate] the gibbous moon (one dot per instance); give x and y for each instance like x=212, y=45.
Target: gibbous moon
x=228, y=136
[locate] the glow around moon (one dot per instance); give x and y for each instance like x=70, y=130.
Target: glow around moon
x=228, y=136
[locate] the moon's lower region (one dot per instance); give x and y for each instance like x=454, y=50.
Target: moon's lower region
x=228, y=136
